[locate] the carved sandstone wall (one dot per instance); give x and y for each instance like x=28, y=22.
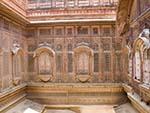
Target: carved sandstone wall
x=64, y=39
x=11, y=33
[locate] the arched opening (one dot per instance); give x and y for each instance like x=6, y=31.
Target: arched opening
x=146, y=67
x=137, y=57
x=83, y=59
x=45, y=63
x=141, y=54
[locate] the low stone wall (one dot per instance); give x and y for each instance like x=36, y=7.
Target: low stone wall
x=136, y=99
x=55, y=93
x=136, y=102
x=12, y=96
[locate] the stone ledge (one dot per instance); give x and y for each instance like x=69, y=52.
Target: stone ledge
x=127, y=88
x=145, y=93
x=12, y=96
x=72, y=84
x=140, y=106
x=76, y=93
x=11, y=90
x=11, y=104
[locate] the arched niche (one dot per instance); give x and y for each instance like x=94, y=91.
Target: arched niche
x=18, y=64
x=140, y=45
x=137, y=58
x=146, y=67
x=83, y=61
x=44, y=58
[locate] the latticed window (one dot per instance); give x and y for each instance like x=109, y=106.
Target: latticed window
x=70, y=62
x=70, y=47
x=59, y=62
x=71, y=3
x=45, y=31
x=94, y=2
x=96, y=47
x=118, y=62
x=118, y=46
x=82, y=30
x=106, y=31
x=58, y=31
x=106, y=46
x=83, y=2
x=105, y=2
x=59, y=3
x=30, y=63
x=107, y=62
x=32, y=1
x=69, y=31
x=96, y=62
x=95, y=31
x=36, y=4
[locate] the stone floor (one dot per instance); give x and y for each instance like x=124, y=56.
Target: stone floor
x=87, y=109
x=125, y=108
x=97, y=109
x=59, y=111
x=28, y=106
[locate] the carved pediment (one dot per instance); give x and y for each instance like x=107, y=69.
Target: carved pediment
x=44, y=47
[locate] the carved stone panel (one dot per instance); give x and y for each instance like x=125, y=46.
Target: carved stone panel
x=18, y=64
x=83, y=59
x=45, y=58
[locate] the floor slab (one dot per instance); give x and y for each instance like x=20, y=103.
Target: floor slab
x=28, y=106
x=125, y=108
